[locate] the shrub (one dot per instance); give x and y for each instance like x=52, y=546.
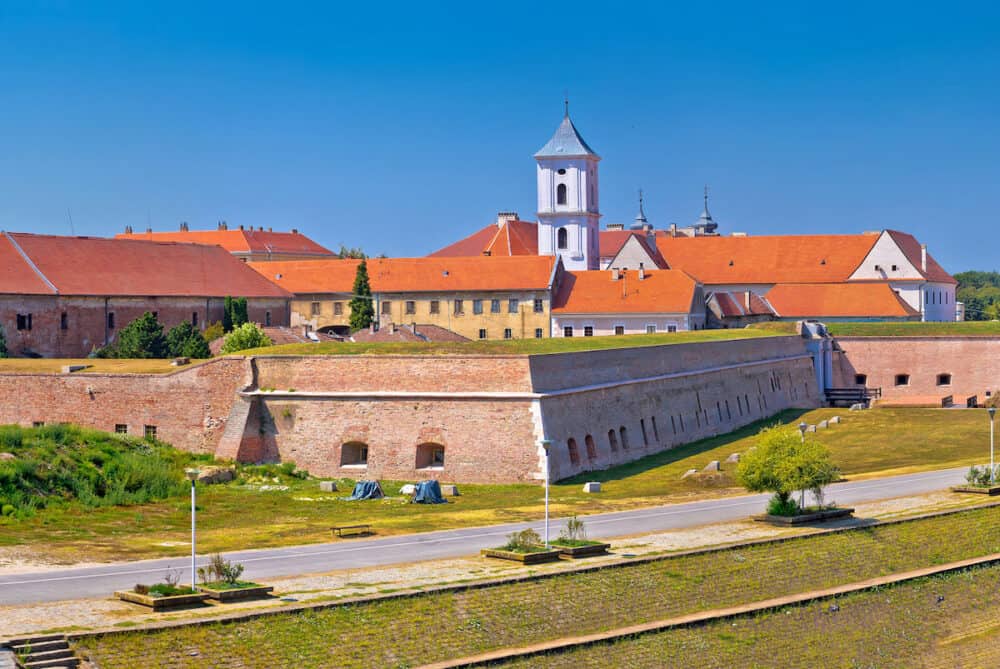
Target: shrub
x=213, y=332
x=782, y=507
x=220, y=569
x=7, y=510
x=980, y=476
x=523, y=541
x=184, y=340
x=246, y=336
x=142, y=338
x=574, y=530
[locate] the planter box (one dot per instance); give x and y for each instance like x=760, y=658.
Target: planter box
x=524, y=558
x=991, y=490
x=237, y=594
x=161, y=603
x=801, y=519
x=582, y=551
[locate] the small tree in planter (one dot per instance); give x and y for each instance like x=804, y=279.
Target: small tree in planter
x=573, y=540
x=221, y=580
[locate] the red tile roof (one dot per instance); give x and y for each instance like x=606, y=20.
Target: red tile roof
x=733, y=304
x=17, y=277
x=408, y=275
x=594, y=292
x=120, y=267
x=847, y=300
x=240, y=241
x=512, y=238
x=911, y=249
x=611, y=243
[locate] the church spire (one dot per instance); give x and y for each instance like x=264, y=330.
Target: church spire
x=640, y=219
x=705, y=221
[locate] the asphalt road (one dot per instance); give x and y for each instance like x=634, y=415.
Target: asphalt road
x=354, y=553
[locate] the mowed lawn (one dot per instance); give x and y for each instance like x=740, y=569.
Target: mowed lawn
x=234, y=516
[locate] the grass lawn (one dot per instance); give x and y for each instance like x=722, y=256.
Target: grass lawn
x=980, y=328
x=94, y=365
x=411, y=631
x=237, y=517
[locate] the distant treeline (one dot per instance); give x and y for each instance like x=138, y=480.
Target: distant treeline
x=980, y=292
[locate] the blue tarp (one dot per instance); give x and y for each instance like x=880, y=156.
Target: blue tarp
x=429, y=492
x=365, y=490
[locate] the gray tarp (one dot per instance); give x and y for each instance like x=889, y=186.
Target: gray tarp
x=429, y=492
x=365, y=490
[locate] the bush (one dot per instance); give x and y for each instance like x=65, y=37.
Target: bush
x=221, y=570
x=980, y=476
x=213, y=332
x=246, y=336
x=574, y=530
x=184, y=341
x=142, y=338
x=782, y=507
x=522, y=542
x=7, y=510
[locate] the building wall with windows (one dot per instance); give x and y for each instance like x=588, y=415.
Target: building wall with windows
x=599, y=325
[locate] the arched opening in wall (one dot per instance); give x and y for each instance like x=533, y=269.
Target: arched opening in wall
x=588, y=441
x=354, y=454
x=623, y=433
x=562, y=239
x=944, y=379
x=861, y=379
x=561, y=194
x=430, y=456
x=574, y=452
x=902, y=379
x=613, y=441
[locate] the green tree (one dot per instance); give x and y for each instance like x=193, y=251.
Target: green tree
x=142, y=338
x=240, y=315
x=350, y=252
x=185, y=341
x=246, y=336
x=3, y=344
x=227, y=314
x=213, y=332
x=362, y=309
x=782, y=463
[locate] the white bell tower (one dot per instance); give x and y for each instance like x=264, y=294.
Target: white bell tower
x=568, y=213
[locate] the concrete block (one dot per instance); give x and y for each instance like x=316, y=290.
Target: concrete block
x=690, y=472
x=211, y=474
x=712, y=466
x=858, y=407
x=409, y=489
x=822, y=425
x=592, y=486
x=328, y=486
x=811, y=428
x=735, y=457
x=449, y=490
x=69, y=369
x=835, y=420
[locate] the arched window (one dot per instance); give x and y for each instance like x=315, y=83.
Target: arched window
x=591, y=447
x=430, y=455
x=613, y=441
x=354, y=454
x=574, y=452
x=624, y=435
x=562, y=239
x=561, y=194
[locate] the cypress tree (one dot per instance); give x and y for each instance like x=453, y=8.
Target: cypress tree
x=142, y=338
x=361, y=306
x=227, y=314
x=240, y=315
x=3, y=344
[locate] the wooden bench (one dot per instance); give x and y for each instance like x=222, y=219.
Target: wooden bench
x=352, y=529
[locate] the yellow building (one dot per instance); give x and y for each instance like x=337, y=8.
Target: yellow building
x=476, y=297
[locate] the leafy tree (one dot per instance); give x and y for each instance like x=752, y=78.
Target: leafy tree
x=3, y=344
x=782, y=463
x=362, y=309
x=227, y=314
x=352, y=252
x=980, y=292
x=213, y=332
x=142, y=338
x=246, y=336
x=184, y=340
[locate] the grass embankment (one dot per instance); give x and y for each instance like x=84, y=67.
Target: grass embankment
x=411, y=631
x=242, y=515
x=94, y=366
x=512, y=346
x=902, y=626
x=964, y=328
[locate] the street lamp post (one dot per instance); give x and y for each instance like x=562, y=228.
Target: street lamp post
x=192, y=475
x=992, y=411
x=547, y=444
x=802, y=430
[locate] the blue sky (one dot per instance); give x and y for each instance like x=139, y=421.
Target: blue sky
x=401, y=127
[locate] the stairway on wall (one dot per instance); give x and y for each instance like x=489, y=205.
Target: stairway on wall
x=42, y=652
x=229, y=445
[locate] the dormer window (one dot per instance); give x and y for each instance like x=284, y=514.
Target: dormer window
x=561, y=194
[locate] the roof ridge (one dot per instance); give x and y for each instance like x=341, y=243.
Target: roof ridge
x=30, y=262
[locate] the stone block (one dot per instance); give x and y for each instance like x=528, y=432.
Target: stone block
x=328, y=486
x=712, y=466
x=69, y=369
x=409, y=489
x=735, y=457
x=857, y=407
x=835, y=420
x=592, y=486
x=822, y=425
x=690, y=472
x=811, y=428
x=7, y=456
x=212, y=474
x=449, y=490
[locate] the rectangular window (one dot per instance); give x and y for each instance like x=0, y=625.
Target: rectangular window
x=538, y=333
x=149, y=431
x=619, y=329
x=111, y=320
x=267, y=319
x=650, y=329
x=494, y=306
x=508, y=333
x=860, y=379
x=24, y=321
x=338, y=308
x=512, y=305
x=588, y=330
x=671, y=328
x=568, y=331
x=121, y=428
x=435, y=307
x=539, y=306
x=386, y=308
x=411, y=307
x=64, y=321
x=477, y=306
x=459, y=308
x=314, y=309
x=194, y=318
x=902, y=379
x=482, y=333
x=944, y=379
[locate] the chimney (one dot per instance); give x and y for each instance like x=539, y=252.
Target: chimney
x=184, y=226
x=615, y=226
x=642, y=272
x=506, y=217
x=673, y=229
x=923, y=257
x=223, y=225
x=295, y=231
x=128, y=229
x=241, y=226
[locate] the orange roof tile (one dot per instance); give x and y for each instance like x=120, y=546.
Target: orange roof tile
x=17, y=277
x=118, y=267
x=239, y=240
x=844, y=300
x=766, y=259
x=594, y=292
x=513, y=238
x=409, y=275
x=734, y=303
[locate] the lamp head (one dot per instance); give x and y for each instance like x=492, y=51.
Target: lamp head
x=992, y=411
x=192, y=474
x=803, y=427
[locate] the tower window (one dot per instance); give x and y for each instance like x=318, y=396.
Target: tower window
x=561, y=171
x=562, y=239
x=561, y=194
